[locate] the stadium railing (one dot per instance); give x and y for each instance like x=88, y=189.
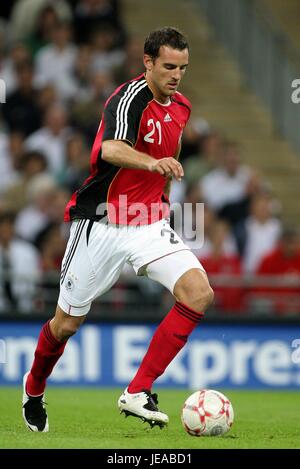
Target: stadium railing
x=236, y=296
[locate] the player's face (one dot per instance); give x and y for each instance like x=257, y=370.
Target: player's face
x=166, y=71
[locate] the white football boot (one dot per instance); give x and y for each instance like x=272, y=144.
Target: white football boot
x=34, y=412
x=144, y=406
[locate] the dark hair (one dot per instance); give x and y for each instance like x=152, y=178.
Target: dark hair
x=34, y=155
x=290, y=232
x=164, y=37
x=7, y=217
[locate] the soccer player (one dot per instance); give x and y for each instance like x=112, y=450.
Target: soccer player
x=119, y=215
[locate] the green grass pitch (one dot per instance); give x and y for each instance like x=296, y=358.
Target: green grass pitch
x=89, y=418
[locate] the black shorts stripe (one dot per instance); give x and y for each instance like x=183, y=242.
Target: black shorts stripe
x=71, y=247
x=73, y=251
x=88, y=231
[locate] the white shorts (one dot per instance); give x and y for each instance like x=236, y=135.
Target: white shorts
x=96, y=253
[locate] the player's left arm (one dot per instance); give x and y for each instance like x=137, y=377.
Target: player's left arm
x=167, y=188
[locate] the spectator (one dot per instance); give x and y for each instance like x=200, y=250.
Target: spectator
x=82, y=75
x=258, y=235
x=189, y=220
x=21, y=112
x=93, y=15
x=47, y=98
x=31, y=164
x=210, y=223
x=18, y=55
x=26, y=12
x=134, y=65
x=192, y=135
x=35, y=216
x=77, y=168
x=10, y=148
x=236, y=184
x=226, y=268
x=55, y=62
x=205, y=160
x=85, y=114
x=56, y=210
x=15, y=149
x=44, y=26
x=282, y=265
x=51, y=139
x=19, y=269
x=51, y=244
x=206, y=223
x=105, y=57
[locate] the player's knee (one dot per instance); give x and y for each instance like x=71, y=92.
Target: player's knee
x=67, y=330
x=195, y=292
x=63, y=326
x=208, y=297
x=64, y=329
x=199, y=299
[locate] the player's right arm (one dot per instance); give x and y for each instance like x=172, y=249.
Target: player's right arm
x=119, y=153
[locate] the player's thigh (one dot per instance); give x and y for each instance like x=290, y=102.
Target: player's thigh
x=168, y=270
x=90, y=267
x=153, y=242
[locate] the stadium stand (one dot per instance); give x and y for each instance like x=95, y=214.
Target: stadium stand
x=60, y=65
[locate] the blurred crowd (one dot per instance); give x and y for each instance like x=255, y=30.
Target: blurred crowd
x=250, y=254
x=60, y=61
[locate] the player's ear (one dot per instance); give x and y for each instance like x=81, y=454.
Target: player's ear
x=148, y=62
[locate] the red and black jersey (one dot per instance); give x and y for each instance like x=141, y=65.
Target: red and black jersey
x=131, y=114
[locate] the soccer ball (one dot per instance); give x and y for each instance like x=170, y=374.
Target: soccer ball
x=207, y=413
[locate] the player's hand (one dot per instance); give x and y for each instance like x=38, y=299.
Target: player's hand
x=168, y=167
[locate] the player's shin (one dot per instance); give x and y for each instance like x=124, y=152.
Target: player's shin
x=47, y=353
x=168, y=339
